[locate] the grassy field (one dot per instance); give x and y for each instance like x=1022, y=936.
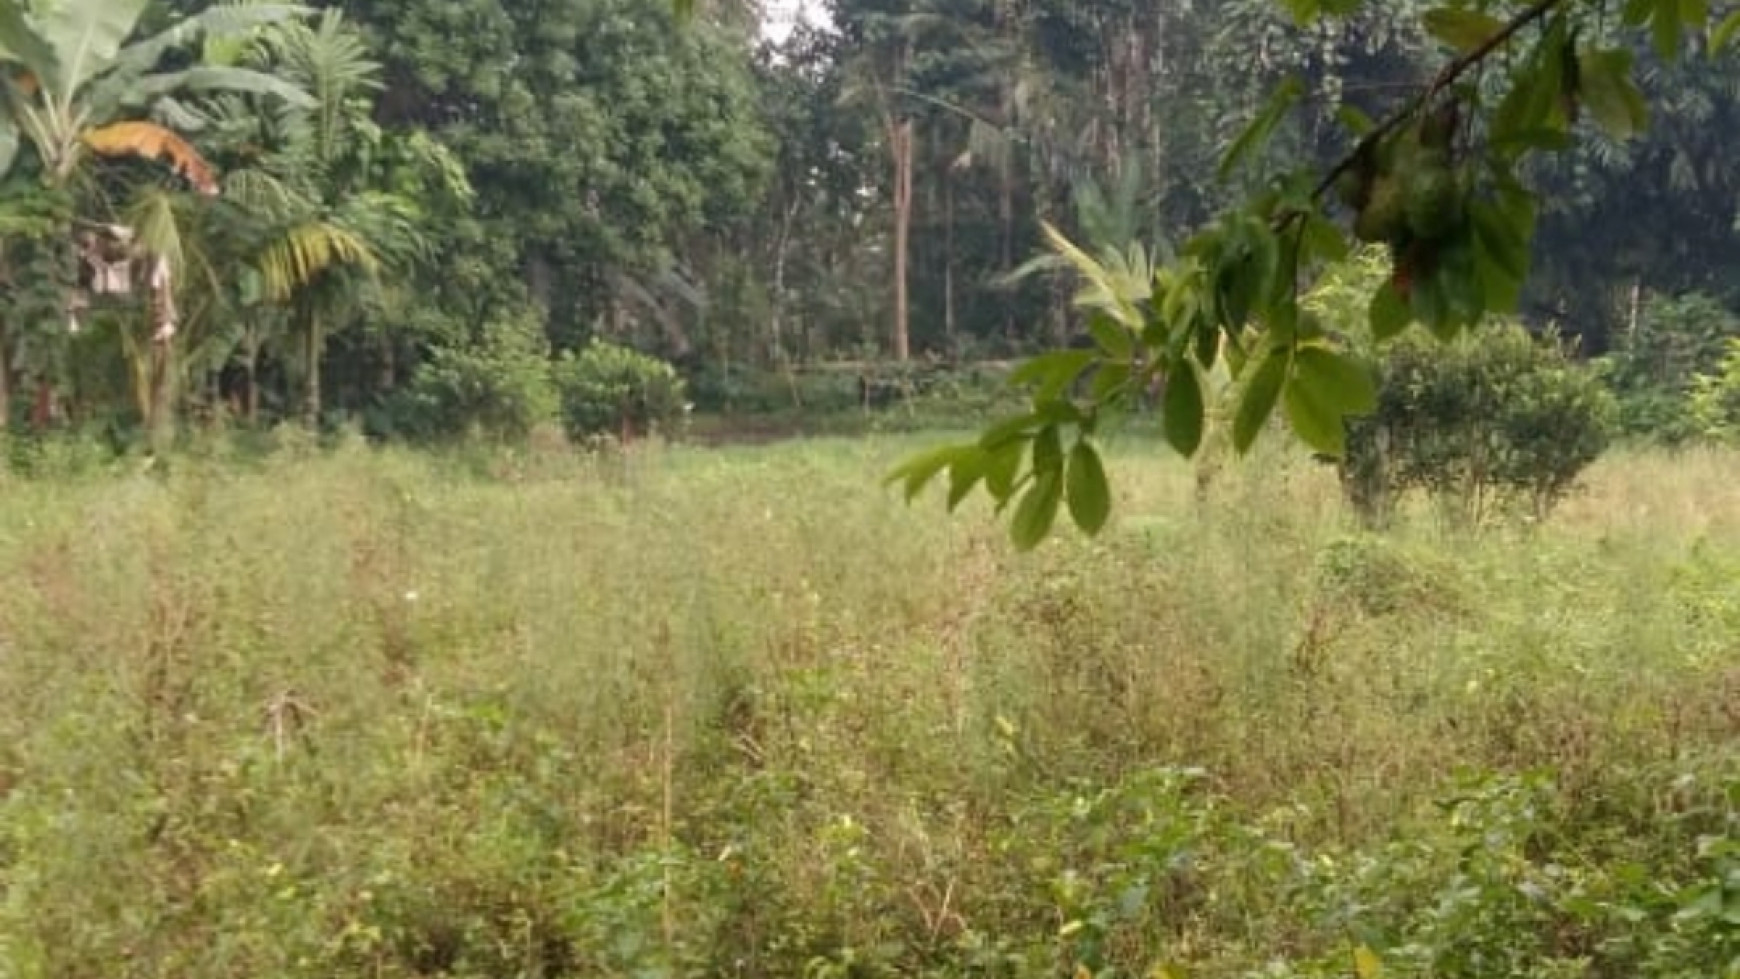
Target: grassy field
x=740, y=712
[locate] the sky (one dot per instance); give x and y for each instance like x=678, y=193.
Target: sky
x=780, y=15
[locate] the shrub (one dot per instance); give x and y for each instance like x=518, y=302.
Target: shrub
x=497, y=386
x=1653, y=367
x=609, y=389
x=1494, y=419
x=1713, y=404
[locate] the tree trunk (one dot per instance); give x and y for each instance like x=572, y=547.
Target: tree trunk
x=5, y=379
x=251, y=374
x=160, y=425
x=1006, y=241
x=311, y=355
x=949, y=266
x=900, y=134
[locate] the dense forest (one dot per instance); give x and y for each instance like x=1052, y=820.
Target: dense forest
x=388, y=210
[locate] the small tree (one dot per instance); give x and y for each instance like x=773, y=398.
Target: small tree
x=498, y=386
x=607, y=389
x=1493, y=421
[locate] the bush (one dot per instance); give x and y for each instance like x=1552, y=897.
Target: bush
x=610, y=389
x=1654, y=367
x=1713, y=405
x=498, y=386
x=1492, y=420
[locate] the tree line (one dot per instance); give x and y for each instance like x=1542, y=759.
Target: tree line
x=269, y=212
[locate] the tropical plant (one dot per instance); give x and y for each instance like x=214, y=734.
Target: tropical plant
x=75, y=86
x=319, y=219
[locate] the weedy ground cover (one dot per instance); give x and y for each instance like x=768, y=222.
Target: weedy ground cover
x=740, y=712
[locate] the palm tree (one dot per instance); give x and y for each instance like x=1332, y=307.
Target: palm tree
x=320, y=225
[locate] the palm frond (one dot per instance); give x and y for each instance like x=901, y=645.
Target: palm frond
x=156, y=229
x=305, y=251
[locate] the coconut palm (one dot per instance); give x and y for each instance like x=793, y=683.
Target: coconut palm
x=320, y=226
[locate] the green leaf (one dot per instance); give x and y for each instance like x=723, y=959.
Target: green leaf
x=1501, y=249
x=1357, y=122
x=1048, y=451
x=1345, y=381
x=966, y=473
x=1325, y=388
x=1012, y=430
x=1086, y=489
x=1611, y=95
x=1666, y=28
x=1389, y=313
x=1314, y=420
x=8, y=145
x=1257, y=133
x=1181, y=409
x=1036, y=512
x=1462, y=29
x=1323, y=239
x=1259, y=400
x=1113, y=337
x=1002, y=466
x=1724, y=33
x=919, y=470
x=1050, y=373
x=22, y=42
x=1109, y=382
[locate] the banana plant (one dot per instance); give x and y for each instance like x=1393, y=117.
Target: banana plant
x=72, y=84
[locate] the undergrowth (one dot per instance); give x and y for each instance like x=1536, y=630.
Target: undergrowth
x=347, y=712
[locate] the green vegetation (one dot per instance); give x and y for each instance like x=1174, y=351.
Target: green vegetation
x=362, y=712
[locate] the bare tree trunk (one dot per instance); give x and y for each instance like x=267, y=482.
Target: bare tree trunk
x=160, y=424
x=5, y=379
x=949, y=265
x=311, y=356
x=251, y=373
x=901, y=139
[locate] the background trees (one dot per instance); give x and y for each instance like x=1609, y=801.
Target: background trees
x=415, y=177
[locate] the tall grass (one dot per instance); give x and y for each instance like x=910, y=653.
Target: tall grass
x=741, y=712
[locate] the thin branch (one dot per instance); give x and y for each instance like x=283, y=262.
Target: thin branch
x=1447, y=77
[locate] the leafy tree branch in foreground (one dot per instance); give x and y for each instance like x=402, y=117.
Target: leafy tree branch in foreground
x=1441, y=182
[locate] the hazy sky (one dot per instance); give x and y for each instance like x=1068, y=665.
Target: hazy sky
x=781, y=14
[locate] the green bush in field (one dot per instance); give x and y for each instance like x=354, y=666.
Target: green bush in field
x=1494, y=420
x=607, y=389
x=498, y=386
x=1713, y=404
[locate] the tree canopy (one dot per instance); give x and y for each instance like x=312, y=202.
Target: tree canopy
x=334, y=204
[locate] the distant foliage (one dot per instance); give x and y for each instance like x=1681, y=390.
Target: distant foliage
x=1654, y=366
x=607, y=389
x=1491, y=422
x=498, y=386
x=1713, y=406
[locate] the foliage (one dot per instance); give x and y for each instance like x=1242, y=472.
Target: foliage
x=638, y=715
x=1713, y=404
x=498, y=386
x=608, y=389
x=1439, y=180
x=1654, y=366
x=73, y=74
x=1493, y=420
